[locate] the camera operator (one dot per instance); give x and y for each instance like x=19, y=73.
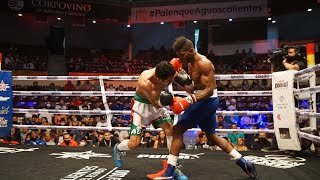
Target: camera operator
x=291, y=61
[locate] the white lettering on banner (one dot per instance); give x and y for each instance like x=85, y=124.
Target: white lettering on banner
x=3, y=122
x=4, y=99
x=222, y=10
x=5, y=150
x=277, y=161
x=4, y=110
x=281, y=84
x=94, y=172
x=61, y=5
x=4, y=86
x=181, y=156
x=79, y=155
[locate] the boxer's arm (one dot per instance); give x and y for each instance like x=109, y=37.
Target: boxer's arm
x=206, y=70
x=151, y=94
x=184, y=80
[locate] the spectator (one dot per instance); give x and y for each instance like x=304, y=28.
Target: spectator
x=109, y=140
x=60, y=119
x=245, y=85
x=35, y=87
x=61, y=105
x=85, y=105
x=146, y=140
x=232, y=105
x=91, y=121
x=161, y=142
x=47, y=139
x=251, y=53
x=77, y=102
x=203, y=142
x=69, y=86
x=220, y=121
x=34, y=140
x=28, y=66
x=23, y=134
x=250, y=138
x=102, y=123
x=111, y=88
x=83, y=142
x=15, y=135
x=240, y=145
x=52, y=87
x=96, y=106
x=34, y=120
x=100, y=141
x=233, y=137
x=261, y=143
x=68, y=141
x=78, y=86
x=86, y=86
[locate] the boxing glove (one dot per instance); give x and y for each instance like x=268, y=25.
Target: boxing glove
x=177, y=64
x=166, y=98
x=181, y=104
x=182, y=78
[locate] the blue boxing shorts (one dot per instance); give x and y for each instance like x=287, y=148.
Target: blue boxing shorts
x=201, y=113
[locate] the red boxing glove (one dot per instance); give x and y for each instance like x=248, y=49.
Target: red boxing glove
x=181, y=104
x=177, y=64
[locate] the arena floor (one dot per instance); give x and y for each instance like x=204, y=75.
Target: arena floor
x=46, y=163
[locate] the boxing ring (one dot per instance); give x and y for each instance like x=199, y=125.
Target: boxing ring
x=38, y=162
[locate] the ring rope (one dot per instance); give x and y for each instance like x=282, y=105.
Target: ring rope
x=310, y=114
x=127, y=112
x=132, y=78
x=245, y=131
x=309, y=136
x=308, y=70
x=131, y=93
x=307, y=90
x=124, y=112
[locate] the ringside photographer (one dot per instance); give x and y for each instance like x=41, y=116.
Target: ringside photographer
x=288, y=58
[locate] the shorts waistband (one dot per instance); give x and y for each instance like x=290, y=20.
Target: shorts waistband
x=141, y=99
x=215, y=93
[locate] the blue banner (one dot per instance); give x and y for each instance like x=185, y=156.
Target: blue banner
x=5, y=103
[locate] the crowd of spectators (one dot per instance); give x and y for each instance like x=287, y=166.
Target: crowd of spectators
x=116, y=61
x=24, y=57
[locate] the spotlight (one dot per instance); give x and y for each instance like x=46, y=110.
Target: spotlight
x=269, y=19
x=230, y=20
x=274, y=21
x=59, y=18
x=128, y=25
x=19, y=14
x=94, y=22
x=309, y=10
x=195, y=21
x=162, y=23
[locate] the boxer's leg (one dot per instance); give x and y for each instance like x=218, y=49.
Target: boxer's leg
x=134, y=142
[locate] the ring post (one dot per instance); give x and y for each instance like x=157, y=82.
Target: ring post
x=312, y=81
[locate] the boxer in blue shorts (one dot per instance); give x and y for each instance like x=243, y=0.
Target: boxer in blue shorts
x=203, y=114
x=199, y=107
